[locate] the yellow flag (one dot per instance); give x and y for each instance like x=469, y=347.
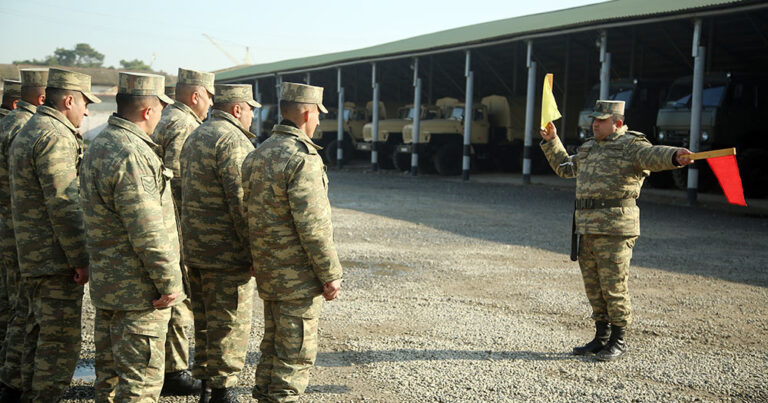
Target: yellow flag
x=549, y=112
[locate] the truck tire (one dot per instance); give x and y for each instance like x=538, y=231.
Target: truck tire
x=754, y=174
x=401, y=161
x=330, y=152
x=508, y=159
x=447, y=160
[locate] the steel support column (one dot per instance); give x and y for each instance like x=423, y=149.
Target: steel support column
x=468, y=115
x=605, y=66
x=257, y=95
x=375, y=122
x=529, y=107
x=340, y=122
x=416, y=118
x=698, y=53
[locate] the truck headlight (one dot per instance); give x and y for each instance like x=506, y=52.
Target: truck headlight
x=662, y=135
x=704, y=136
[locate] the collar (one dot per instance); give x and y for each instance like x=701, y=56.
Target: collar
x=221, y=115
x=127, y=125
x=294, y=131
x=26, y=106
x=615, y=135
x=56, y=114
x=186, y=109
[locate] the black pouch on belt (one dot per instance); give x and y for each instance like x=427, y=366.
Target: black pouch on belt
x=574, y=238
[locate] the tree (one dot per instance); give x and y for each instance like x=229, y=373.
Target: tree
x=134, y=64
x=83, y=55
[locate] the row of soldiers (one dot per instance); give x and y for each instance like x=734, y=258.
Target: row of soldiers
x=170, y=213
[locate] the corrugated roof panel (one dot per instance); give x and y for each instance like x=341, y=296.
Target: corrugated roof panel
x=616, y=10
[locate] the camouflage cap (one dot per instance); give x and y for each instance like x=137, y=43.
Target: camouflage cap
x=71, y=80
x=302, y=93
x=605, y=109
x=170, y=90
x=226, y=93
x=193, y=77
x=33, y=77
x=12, y=88
x=142, y=84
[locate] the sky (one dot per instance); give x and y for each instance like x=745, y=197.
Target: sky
x=170, y=33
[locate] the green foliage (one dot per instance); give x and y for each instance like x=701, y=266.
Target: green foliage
x=134, y=64
x=83, y=55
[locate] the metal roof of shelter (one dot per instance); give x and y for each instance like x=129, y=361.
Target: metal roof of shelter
x=608, y=14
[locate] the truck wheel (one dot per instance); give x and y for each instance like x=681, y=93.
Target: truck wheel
x=707, y=181
x=754, y=174
x=447, y=160
x=385, y=160
x=401, y=161
x=508, y=159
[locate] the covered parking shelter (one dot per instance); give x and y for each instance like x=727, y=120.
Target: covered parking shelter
x=583, y=47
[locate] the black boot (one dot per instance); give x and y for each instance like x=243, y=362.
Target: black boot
x=205, y=394
x=616, y=345
x=10, y=395
x=223, y=395
x=602, y=332
x=180, y=383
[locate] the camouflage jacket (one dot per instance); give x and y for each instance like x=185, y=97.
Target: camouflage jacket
x=9, y=128
x=47, y=219
x=177, y=123
x=212, y=218
x=130, y=220
x=4, y=112
x=613, y=168
x=289, y=217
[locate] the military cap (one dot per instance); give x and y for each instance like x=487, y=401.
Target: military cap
x=226, y=93
x=12, y=88
x=142, y=84
x=302, y=93
x=193, y=77
x=170, y=90
x=33, y=77
x=605, y=109
x=71, y=80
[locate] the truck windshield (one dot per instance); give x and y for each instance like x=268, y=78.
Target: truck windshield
x=265, y=112
x=457, y=113
x=680, y=94
x=405, y=113
x=330, y=115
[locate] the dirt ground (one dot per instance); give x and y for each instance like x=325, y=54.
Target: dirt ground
x=464, y=292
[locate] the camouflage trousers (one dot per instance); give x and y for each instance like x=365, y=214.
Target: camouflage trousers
x=604, y=262
x=223, y=308
x=52, y=341
x=15, y=345
x=176, y=341
x=130, y=354
x=5, y=300
x=288, y=349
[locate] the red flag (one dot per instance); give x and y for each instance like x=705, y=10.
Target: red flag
x=727, y=172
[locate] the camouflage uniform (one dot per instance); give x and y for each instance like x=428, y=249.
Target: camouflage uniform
x=50, y=240
x=606, y=171
x=134, y=249
x=11, y=91
x=289, y=218
x=177, y=123
x=216, y=241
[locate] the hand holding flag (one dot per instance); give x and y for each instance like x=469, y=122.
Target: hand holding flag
x=725, y=168
x=549, y=112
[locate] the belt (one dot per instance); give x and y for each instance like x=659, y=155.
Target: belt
x=585, y=204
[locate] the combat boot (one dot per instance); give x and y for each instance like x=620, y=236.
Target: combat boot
x=10, y=395
x=180, y=383
x=223, y=395
x=602, y=333
x=205, y=394
x=616, y=345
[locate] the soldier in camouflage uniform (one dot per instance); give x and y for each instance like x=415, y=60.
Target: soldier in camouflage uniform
x=50, y=238
x=33, y=83
x=133, y=244
x=291, y=237
x=215, y=240
x=195, y=93
x=609, y=170
x=11, y=94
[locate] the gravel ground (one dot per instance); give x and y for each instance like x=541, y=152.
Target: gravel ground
x=464, y=292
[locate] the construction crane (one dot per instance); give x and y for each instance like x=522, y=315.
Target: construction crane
x=246, y=60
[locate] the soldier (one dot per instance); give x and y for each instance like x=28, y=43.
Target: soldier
x=195, y=92
x=170, y=91
x=133, y=244
x=50, y=238
x=33, y=83
x=216, y=240
x=11, y=94
x=609, y=170
x=291, y=236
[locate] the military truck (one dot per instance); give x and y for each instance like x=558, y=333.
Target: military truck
x=732, y=105
x=268, y=120
x=391, y=132
x=441, y=140
x=354, y=118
